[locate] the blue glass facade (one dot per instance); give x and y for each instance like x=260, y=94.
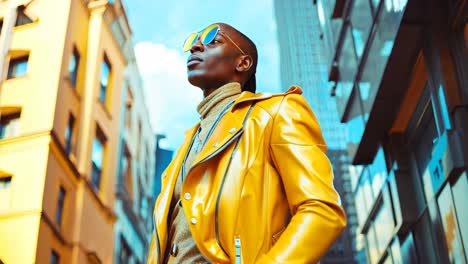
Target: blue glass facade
x=400, y=86
x=304, y=62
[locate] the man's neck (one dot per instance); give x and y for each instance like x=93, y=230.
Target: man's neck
x=216, y=96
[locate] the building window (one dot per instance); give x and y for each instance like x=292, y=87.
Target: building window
x=97, y=158
x=450, y=223
x=361, y=19
x=460, y=189
x=104, y=79
x=125, y=251
x=22, y=18
x=69, y=134
x=5, y=182
x=60, y=206
x=54, y=257
x=18, y=67
x=128, y=109
x=5, y=189
x=10, y=125
x=73, y=66
x=126, y=171
x=347, y=70
x=378, y=171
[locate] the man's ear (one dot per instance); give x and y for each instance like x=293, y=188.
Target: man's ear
x=244, y=64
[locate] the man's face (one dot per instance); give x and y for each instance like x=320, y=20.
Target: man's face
x=213, y=65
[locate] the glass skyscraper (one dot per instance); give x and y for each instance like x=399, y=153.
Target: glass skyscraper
x=304, y=63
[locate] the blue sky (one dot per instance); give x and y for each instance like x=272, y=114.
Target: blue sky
x=160, y=27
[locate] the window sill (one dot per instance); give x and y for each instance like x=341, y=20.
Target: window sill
x=25, y=26
x=17, y=78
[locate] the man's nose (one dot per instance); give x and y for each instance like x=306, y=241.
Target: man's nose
x=197, y=46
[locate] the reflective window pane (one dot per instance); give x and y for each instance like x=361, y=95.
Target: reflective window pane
x=360, y=205
x=347, y=66
x=355, y=172
x=380, y=49
x=104, y=79
x=375, y=4
x=460, y=189
x=372, y=248
x=18, y=67
x=378, y=171
x=361, y=20
x=324, y=13
x=368, y=194
x=355, y=125
x=450, y=223
x=73, y=66
x=384, y=222
x=408, y=250
x=10, y=125
x=395, y=250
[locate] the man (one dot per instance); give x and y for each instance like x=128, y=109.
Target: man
x=251, y=182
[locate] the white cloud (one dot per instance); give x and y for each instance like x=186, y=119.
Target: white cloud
x=171, y=99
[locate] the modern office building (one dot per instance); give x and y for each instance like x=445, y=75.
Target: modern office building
x=133, y=205
x=61, y=87
x=400, y=69
x=163, y=158
x=303, y=62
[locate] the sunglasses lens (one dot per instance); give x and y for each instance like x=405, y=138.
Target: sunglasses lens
x=190, y=41
x=209, y=34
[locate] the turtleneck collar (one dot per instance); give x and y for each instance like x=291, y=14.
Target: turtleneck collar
x=218, y=95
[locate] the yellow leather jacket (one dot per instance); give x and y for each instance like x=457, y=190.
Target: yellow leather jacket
x=260, y=190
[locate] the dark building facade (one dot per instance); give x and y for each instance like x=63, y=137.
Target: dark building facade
x=163, y=158
x=400, y=75
x=304, y=63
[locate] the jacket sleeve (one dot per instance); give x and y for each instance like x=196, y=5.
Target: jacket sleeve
x=298, y=152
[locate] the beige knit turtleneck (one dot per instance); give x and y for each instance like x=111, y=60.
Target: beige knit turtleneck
x=180, y=237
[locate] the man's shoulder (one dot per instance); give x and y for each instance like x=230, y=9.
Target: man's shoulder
x=267, y=98
x=272, y=103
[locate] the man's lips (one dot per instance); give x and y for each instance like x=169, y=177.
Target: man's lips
x=192, y=60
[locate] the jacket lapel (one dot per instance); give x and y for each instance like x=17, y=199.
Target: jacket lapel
x=229, y=127
x=169, y=178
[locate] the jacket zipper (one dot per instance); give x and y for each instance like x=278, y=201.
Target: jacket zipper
x=224, y=178
x=237, y=245
x=221, y=190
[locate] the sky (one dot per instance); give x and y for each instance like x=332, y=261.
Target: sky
x=159, y=29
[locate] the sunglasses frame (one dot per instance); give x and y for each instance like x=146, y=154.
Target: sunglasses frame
x=197, y=36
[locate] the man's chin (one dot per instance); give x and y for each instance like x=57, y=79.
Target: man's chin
x=195, y=78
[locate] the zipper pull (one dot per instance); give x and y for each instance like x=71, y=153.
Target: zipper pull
x=237, y=245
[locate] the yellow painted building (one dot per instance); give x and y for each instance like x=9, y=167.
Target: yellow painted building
x=60, y=99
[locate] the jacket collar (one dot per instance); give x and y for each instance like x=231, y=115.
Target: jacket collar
x=246, y=97
x=230, y=124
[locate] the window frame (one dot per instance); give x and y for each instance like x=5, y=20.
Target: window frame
x=59, y=213
x=54, y=257
x=5, y=121
x=73, y=75
x=5, y=181
x=13, y=66
x=70, y=134
x=104, y=88
x=97, y=171
x=21, y=17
